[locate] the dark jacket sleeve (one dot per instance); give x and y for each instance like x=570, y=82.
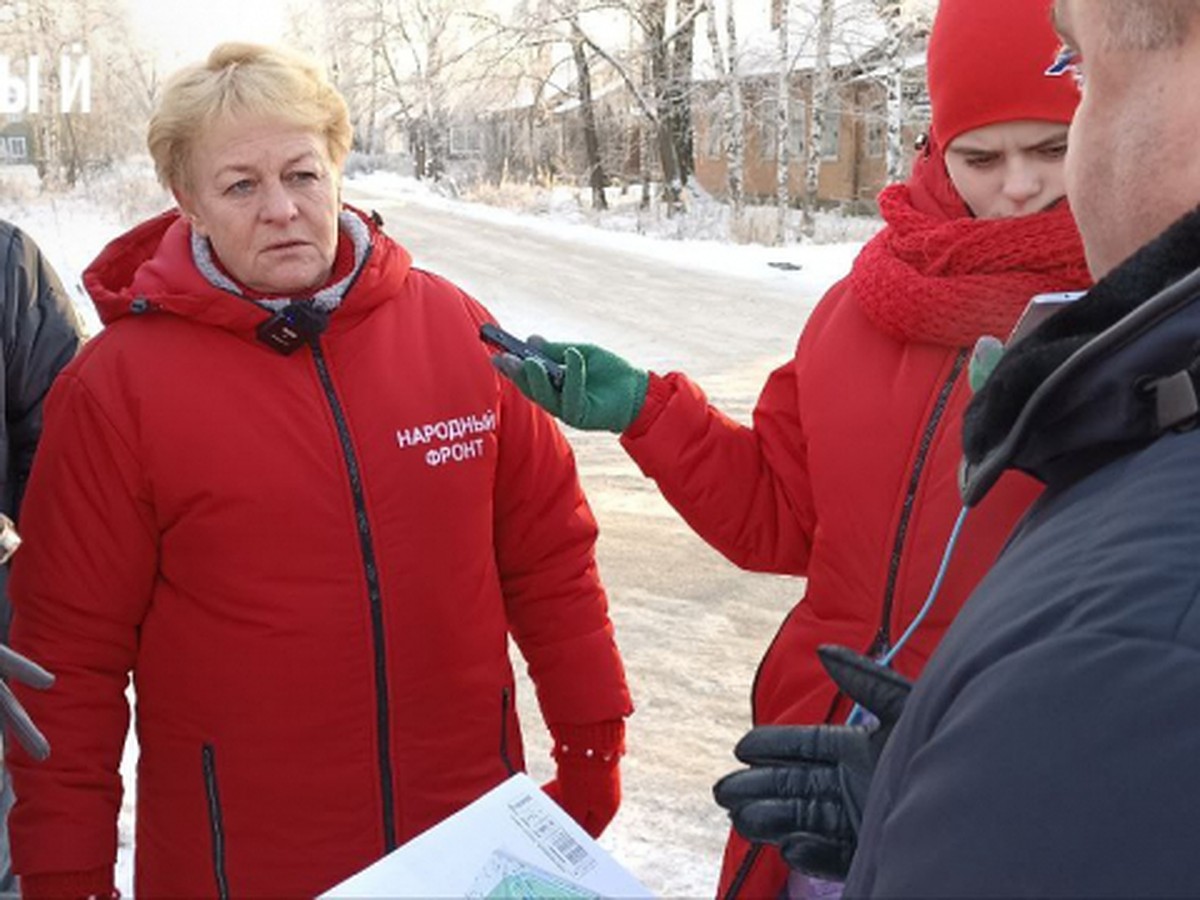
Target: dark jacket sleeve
x=1067, y=769
x=39, y=334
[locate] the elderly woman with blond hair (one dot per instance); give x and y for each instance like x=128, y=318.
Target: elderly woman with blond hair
x=286, y=490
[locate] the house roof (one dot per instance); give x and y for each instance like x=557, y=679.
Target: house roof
x=859, y=33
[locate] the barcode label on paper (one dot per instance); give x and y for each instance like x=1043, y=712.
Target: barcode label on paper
x=554, y=840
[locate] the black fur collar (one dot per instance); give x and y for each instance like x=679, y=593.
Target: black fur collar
x=993, y=411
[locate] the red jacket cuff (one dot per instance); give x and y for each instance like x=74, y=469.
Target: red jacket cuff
x=658, y=392
x=600, y=741
x=72, y=885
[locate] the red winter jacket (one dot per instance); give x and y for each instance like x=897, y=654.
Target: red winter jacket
x=848, y=477
x=310, y=563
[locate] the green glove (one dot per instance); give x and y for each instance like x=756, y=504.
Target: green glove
x=601, y=392
x=984, y=358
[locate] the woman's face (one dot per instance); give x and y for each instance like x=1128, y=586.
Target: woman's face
x=1009, y=168
x=266, y=195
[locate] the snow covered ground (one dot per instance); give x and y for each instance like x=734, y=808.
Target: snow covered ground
x=691, y=627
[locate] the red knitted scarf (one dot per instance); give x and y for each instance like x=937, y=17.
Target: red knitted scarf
x=930, y=279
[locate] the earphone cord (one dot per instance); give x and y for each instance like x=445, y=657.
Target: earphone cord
x=886, y=659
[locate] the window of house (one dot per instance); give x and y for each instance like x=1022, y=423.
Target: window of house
x=876, y=137
x=16, y=147
x=797, y=127
x=465, y=140
x=831, y=129
x=714, y=137
x=767, y=142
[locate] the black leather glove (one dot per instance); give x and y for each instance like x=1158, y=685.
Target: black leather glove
x=807, y=784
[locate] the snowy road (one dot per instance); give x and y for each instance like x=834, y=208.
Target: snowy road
x=690, y=625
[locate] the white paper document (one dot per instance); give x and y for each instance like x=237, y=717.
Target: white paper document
x=513, y=842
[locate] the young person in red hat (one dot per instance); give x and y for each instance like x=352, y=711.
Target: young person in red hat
x=849, y=474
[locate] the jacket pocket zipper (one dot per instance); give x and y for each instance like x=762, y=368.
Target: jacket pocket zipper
x=217, y=829
x=505, y=700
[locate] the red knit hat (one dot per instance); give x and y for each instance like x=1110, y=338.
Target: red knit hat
x=986, y=63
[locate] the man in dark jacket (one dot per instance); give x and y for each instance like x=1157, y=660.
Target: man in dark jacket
x=1050, y=747
x=39, y=334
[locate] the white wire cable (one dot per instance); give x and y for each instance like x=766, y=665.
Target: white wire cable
x=856, y=714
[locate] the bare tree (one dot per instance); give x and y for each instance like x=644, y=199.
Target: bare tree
x=660, y=93
x=822, y=79
x=405, y=64
x=75, y=83
x=349, y=36
x=530, y=42
x=420, y=27
x=661, y=80
x=653, y=60
x=679, y=90
x=783, y=107
x=591, y=140
x=880, y=37
x=734, y=124
x=901, y=32
x=553, y=82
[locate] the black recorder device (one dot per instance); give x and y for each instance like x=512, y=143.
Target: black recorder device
x=292, y=327
x=497, y=337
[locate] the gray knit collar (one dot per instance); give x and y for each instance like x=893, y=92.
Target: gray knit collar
x=327, y=299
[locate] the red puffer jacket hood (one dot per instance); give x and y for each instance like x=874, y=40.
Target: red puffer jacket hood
x=930, y=188
x=151, y=267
